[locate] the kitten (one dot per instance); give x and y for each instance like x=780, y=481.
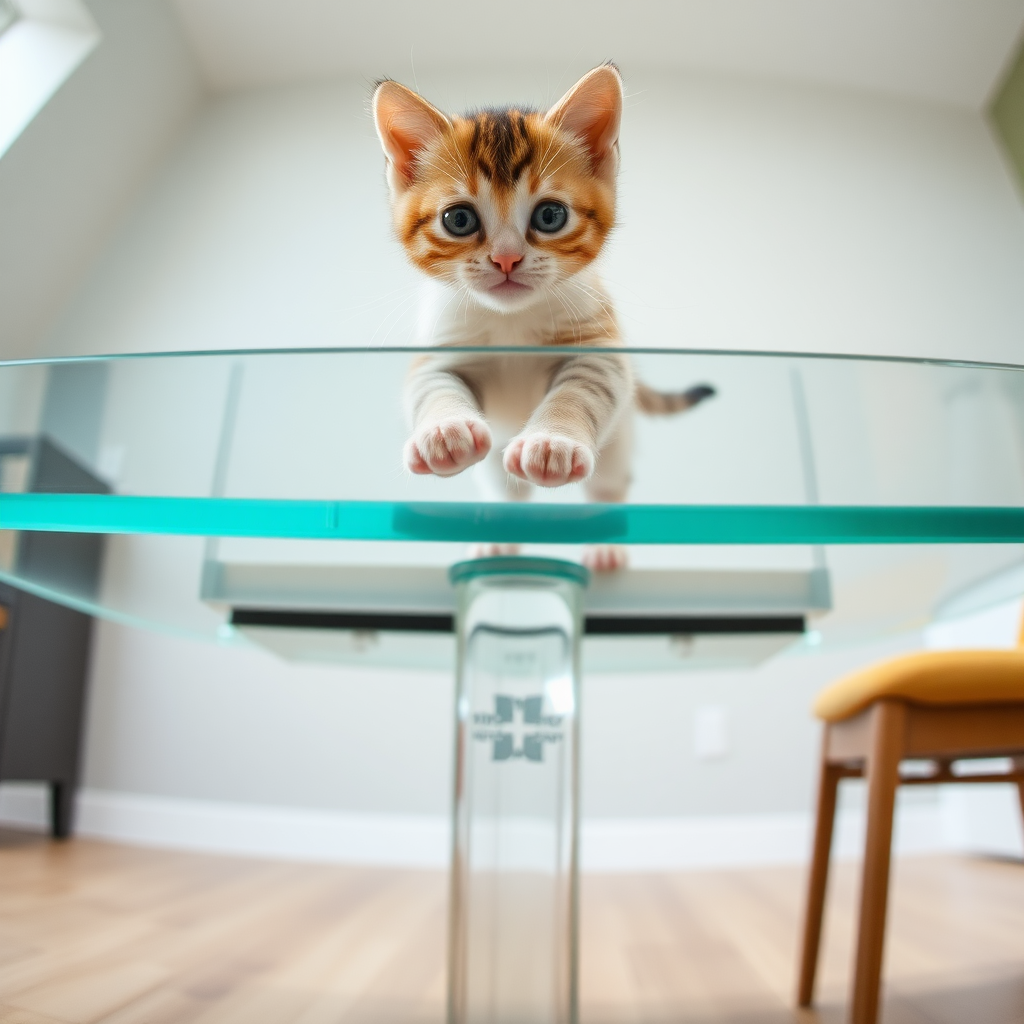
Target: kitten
x=506, y=211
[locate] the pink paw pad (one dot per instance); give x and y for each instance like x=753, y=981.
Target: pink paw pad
x=447, y=447
x=548, y=460
x=492, y=550
x=605, y=557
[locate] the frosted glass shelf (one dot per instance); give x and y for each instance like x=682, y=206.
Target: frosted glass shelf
x=900, y=483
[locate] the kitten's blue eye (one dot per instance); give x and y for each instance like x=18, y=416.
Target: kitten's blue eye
x=460, y=221
x=549, y=216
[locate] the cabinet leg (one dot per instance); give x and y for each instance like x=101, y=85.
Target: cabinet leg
x=62, y=801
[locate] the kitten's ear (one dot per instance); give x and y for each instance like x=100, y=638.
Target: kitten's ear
x=406, y=123
x=591, y=110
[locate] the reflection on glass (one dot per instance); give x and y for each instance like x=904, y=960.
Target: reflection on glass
x=805, y=433
x=513, y=949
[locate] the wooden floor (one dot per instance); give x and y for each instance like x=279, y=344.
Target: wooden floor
x=96, y=932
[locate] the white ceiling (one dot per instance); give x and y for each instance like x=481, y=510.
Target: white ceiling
x=949, y=51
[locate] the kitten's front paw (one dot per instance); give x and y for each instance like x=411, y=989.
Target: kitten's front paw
x=447, y=447
x=549, y=460
x=605, y=557
x=492, y=550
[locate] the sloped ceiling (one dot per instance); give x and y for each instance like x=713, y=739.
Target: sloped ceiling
x=947, y=51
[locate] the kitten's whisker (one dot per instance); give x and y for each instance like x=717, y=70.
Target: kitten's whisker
x=465, y=315
x=455, y=157
x=559, y=167
x=437, y=319
x=448, y=174
x=458, y=158
x=354, y=311
x=396, y=311
x=565, y=71
x=564, y=291
x=604, y=302
x=576, y=326
x=557, y=292
x=550, y=151
x=588, y=320
x=464, y=295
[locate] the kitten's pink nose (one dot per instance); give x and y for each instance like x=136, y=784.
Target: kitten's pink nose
x=506, y=260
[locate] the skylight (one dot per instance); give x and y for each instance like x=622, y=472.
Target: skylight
x=8, y=15
x=41, y=44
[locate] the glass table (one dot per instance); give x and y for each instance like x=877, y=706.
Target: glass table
x=247, y=497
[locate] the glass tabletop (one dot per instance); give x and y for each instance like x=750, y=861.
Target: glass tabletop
x=262, y=496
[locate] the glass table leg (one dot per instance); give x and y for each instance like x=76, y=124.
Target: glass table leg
x=514, y=885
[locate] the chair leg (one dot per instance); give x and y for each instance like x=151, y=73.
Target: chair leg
x=888, y=728
x=828, y=785
x=1018, y=765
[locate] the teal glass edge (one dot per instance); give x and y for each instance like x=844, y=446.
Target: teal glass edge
x=519, y=566
x=512, y=523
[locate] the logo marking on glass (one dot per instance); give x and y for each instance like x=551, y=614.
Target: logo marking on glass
x=519, y=728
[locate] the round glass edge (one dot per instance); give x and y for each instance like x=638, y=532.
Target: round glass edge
x=519, y=565
x=553, y=351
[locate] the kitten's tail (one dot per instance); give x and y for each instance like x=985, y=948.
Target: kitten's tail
x=658, y=403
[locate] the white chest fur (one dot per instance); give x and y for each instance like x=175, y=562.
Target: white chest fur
x=451, y=317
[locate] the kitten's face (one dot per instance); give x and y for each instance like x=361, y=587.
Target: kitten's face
x=504, y=204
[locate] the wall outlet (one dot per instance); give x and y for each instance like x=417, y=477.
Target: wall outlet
x=710, y=732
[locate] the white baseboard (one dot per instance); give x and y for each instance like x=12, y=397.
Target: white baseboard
x=607, y=844
x=984, y=818
x=744, y=840
x=236, y=828
x=665, y=844
x=24, y=805
x=280, y=832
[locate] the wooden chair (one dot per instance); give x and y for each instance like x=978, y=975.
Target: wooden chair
x=938, y=706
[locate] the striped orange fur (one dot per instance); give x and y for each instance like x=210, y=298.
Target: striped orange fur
x=501, y=162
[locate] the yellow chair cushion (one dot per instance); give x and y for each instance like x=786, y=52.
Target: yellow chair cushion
x=930, y=677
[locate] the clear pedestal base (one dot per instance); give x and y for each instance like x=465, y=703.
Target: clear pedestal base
x=514, y=885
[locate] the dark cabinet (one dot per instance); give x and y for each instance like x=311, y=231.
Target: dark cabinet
x=44, y=646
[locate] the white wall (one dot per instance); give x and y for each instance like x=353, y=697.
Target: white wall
x=181, y=719
x=80, y=164
x=752, y=216
x=207, y=748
